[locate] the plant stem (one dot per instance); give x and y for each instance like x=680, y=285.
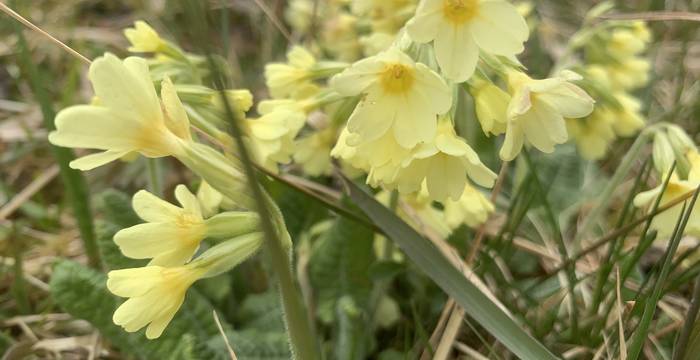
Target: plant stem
x=155, y=176
x=297, y=322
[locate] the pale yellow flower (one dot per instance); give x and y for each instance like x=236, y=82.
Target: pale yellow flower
x=209, y=199
x=625, y=43
x=491, y=104
x=537, y=110
x=171, y=235
x=629, y=74
x=313, y=152
x=399, y=95
x=376, y=42
x=128, y=118
x=593, y=134
x=143, y=38
x=284, y=78
x=461, y=29
x=628, y=120
x=155, y=294
x=473, y=208
x=445, y=164
x=272, y=134
x=339, y=36
x=665, y=222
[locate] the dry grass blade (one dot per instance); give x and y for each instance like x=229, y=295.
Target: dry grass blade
x=6, y=9
x=231, y=353
x=655, y=16
x=620, y=309
x=35, y=186
x=274, y=19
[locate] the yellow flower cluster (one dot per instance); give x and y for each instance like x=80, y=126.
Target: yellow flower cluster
x=350, y=29
x=130, y=118
x=614, y=67
x=394, y=108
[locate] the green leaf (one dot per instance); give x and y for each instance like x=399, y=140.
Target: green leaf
x=116, y=206
x=262, y=312
x=82, y=293
x=255, y=345
x=429, y=259
x=352, y=342
x=112, y=257
x=339, y=265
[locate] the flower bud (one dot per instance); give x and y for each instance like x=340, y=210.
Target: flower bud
x=662, y=153
x=143, y=38
x=491, y=107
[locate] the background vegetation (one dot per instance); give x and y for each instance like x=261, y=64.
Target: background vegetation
x=53, y=300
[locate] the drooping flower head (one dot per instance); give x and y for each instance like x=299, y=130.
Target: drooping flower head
x=283, y=79
x=171, y=234
x=155, y=294
x=461, y=29
x=272, y=134
x=445, y=164
x=472, y=209
x=665, y=222
x=127, y=118
x=399, y=95
x=537, y=110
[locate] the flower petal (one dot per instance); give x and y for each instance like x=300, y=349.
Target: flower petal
x=499, y=29
x=457, y=52
x=92, y=161
x=154, y=209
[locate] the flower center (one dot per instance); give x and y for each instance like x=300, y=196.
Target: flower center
x=460, y=11
x=397, y=78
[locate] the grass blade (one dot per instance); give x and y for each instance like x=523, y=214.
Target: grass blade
x=640, y=334
x=73, y=180
x=429, y=259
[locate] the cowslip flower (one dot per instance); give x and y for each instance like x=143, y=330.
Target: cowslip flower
x=272, y=134
x=628, y=119
x=313, y=152
x=665, y=222
x=462, y=28
x=398, y=94
x=490, y=103
x=283, y=79
x=172, y=234
x=537, y=110
x=444, y=163
x=143, y=38
x=156, y=293
x=127, y=118
x=593, y=134
x=472, y=208
x=209, y=199
x=417, y=210
x=382, y=158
